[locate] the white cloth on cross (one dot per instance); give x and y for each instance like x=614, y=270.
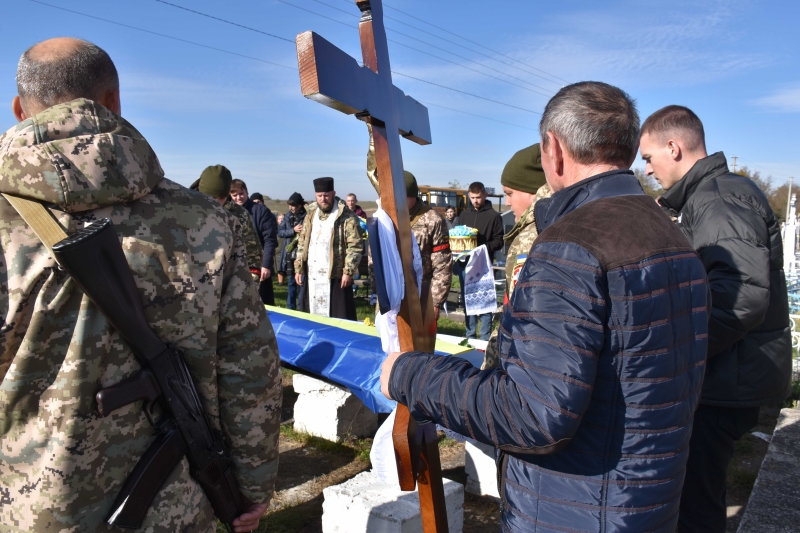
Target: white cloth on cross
x=382, y=453
x=386, y=323
x=480, y=296
x=319, y=264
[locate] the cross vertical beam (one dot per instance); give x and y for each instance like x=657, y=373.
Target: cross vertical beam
x=331, y=77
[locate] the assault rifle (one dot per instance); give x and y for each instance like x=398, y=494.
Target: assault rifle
x=93, y=257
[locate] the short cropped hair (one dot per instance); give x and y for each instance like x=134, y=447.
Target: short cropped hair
x=476, y=187
x=85, y=71
x=353, y=195
x=238, y=184
x=596, y=122
x=678, y=121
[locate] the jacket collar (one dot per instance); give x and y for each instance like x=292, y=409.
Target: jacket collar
x=606, y=185
x=706, y=168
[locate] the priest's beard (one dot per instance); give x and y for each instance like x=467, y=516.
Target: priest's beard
x=327, y=209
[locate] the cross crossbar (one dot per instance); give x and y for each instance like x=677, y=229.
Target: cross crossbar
x=331, y=77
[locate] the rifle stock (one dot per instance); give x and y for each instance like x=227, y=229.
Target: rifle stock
x=93, y=257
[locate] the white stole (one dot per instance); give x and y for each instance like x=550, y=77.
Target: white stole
x=319, y=263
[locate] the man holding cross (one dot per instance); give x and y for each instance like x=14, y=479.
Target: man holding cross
x=329, y=249
x=602, y=346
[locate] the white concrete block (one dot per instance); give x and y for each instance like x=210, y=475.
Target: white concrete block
x=364, y=504
x=329, y=411
x=479, y=463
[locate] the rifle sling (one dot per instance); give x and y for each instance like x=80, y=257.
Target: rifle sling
x=40, y=219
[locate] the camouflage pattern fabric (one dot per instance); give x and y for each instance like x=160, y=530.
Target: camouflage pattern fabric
x=61, y=464
x=519, y=240
x=433, y=239
x=251, y=243
x=347, y=245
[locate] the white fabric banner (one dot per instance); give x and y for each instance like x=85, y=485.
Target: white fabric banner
x=319, y=264
x=480, y=295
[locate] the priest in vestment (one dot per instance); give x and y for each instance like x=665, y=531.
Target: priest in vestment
x=328, y=253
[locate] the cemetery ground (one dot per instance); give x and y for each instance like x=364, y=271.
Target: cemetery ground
x=309, y=464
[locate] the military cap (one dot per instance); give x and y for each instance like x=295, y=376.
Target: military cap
x=524, y=172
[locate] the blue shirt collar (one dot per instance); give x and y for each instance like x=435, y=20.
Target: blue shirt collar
x=605, y=185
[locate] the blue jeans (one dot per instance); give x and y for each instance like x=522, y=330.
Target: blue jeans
x=295, y=293
x=471, y=321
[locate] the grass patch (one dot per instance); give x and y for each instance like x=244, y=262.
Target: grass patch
x=349, y=446
x=742, y=478
x=450, y=327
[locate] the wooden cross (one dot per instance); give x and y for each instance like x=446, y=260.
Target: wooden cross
x=331, y=77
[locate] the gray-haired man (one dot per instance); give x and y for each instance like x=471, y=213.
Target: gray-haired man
x=601, y=348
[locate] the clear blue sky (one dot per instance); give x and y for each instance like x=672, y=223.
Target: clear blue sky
x=735, y=63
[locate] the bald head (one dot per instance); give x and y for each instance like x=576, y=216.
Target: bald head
x=62, y=69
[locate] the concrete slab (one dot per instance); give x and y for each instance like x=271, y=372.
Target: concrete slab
x=364, y=504
x=329, y=411
x=773, y=505
x=481, y=470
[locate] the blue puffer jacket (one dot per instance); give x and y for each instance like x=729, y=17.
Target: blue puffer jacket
x=603, y=350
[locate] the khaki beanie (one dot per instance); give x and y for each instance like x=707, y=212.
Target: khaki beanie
x=524, y=172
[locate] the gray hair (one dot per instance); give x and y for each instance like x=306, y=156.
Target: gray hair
x=83, y=71
x=596, y=122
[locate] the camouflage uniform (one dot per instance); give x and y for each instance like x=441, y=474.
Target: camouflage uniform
x=520, y=241
x=61, y=464
x=347, y=245
x=430, y=231
x=253, y=246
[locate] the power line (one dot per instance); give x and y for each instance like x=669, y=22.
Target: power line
x=479, y=116
x=225, y=21
x=464, y=92
x=162, y=35
x=468, y=68
x=270, y=62
x=394, y=72
x=749, y=163
x=550, y=92
x=475, y=43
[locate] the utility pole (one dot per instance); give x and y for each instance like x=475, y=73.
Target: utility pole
x=734, y=157
x=788, y=201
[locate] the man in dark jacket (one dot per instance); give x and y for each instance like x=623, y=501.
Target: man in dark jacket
x=728, y=220
x=602, y=346
x=289, y=231
x=267, y=230
x=487, y=221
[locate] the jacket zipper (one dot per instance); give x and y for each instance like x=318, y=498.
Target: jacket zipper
x=501, y=462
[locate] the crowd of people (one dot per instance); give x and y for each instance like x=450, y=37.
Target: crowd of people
x=638, y=340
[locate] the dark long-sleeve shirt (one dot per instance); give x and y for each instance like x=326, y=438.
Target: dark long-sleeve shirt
x=267, y=230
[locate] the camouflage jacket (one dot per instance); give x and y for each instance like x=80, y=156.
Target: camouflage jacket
x=61, y=464
x=433, y=239
x=347, y=245
x=251, y=243
x=519, y=240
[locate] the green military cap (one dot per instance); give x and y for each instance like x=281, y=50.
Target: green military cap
x=216, y=181
x=524, y=172
x=412, y=191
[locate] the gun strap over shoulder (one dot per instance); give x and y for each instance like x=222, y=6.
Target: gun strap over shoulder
x=40, y=219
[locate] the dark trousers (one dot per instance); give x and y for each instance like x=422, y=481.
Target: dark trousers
x=714, y=431
x=265, y=292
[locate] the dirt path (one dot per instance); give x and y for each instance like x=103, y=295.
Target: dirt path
x=308, y=465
